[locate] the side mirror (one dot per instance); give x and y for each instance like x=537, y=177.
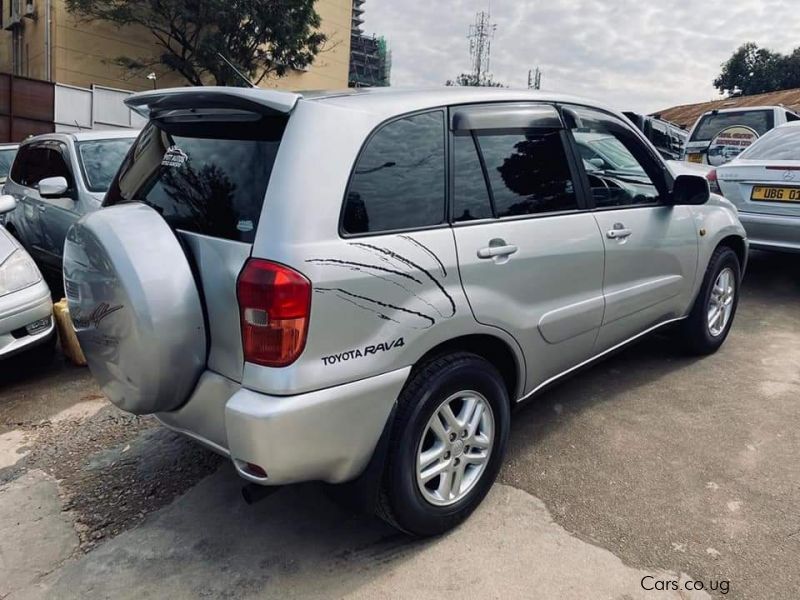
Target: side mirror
x=690, y=190
x=7, y=204
x=53, y=187
x=597, y=162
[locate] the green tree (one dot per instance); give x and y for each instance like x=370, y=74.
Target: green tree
x=753, y=70
x=470, y=80
x=261, y=38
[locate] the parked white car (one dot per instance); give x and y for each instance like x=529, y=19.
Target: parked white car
x=764, y=184
x=721, y=135
x=26, y=309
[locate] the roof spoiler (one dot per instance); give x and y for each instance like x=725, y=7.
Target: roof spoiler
x=270, y=102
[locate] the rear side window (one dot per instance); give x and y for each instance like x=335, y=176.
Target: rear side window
x=208, y=177
x=782, y=143
x=710, y=125
x=399, y=180
x=528, y=172
x=470, y=193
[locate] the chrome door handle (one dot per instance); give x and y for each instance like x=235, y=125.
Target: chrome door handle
x=618, y=234
x=497, y=251
x=41, y=207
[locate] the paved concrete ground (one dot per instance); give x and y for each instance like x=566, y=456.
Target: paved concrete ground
x=647, y=465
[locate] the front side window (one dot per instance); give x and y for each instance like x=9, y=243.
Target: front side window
x=620, y=168
x=100, y=159
x=399, y=180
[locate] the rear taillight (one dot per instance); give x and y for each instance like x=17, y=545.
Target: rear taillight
x=274, y=306
x=713, y=184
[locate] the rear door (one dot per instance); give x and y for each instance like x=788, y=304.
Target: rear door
x=531, y=258
x=650, y=248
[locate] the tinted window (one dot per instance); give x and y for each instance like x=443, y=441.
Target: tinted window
x=710, y=125
x=620, y=168
x=208, y=178
x=791, y=117
x=470, y=193
x=528, y=173
x=100, y=159
x=39, y=161
x=782, y=143
x=399, y=179
x=6, y=160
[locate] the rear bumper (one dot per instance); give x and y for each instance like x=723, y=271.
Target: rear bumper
x=327, y=435
x=772, y=232
x=22, y=308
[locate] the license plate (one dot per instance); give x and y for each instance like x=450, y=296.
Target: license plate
x=694, y=158
x=775, y=194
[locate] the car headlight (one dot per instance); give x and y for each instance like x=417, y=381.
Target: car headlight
x=18, y=272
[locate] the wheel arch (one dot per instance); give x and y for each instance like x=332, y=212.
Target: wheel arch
x=494, y=350
x=738, y=245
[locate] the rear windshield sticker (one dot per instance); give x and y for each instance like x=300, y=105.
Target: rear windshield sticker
x=174, y=157
x=244, y=226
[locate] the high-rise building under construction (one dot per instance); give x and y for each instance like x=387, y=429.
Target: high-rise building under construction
x=370, y=58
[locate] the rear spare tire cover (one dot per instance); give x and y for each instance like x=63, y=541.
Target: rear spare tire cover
x=135, y=307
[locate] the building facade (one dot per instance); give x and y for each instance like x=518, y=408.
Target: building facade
x=370, y=58
x=41, y=40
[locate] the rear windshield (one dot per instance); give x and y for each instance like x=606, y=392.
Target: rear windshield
x=208, y=178
x=782, y=143
x=100, y=160
x=710, y=125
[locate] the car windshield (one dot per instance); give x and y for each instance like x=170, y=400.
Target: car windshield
x=100, y=160
x=6, y=159
x=782, y=143
x=711, y=124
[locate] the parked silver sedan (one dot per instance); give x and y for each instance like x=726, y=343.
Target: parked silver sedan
x=26, y=309
x=764, y=183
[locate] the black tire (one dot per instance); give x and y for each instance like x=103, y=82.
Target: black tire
x=694, y=332
x=400, y=501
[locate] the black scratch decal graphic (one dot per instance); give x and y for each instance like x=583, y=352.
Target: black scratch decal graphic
x=361, y=306
x=428, y=251
x=363, y=269
x=430, y=320
x=348, y=263
x=412, y=264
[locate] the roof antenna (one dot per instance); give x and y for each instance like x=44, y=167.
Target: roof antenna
x=237, y=71
x=78, y=125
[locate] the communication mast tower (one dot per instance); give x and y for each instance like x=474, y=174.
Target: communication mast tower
x=480, y=46
x=535, y=79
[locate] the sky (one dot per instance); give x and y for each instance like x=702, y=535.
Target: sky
x=642, y=55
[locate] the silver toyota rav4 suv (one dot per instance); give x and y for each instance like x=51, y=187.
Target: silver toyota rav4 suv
x=360, y=286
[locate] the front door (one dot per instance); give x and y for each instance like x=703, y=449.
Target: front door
x=531, y=259
x=650, y=247
x=57, y=215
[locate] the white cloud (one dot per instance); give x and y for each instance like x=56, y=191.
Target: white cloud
x=631, y=54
